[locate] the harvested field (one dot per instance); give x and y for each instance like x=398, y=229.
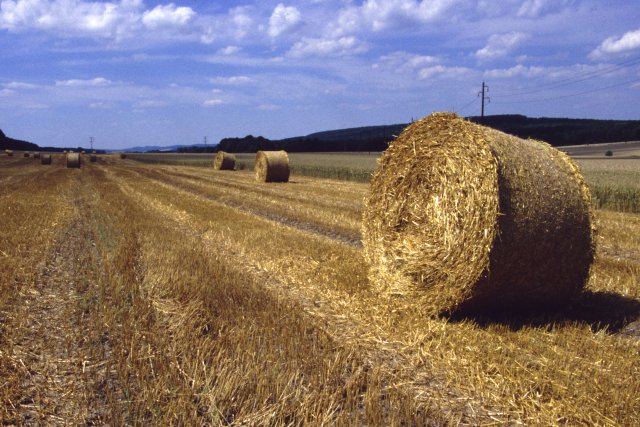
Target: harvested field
x=178, y=295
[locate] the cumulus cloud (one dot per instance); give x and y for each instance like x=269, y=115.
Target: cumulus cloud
x=405, y=61
x=613, y=45
x=232, y=80
x=149, y=103
x=167, y=16
x=20, y=85
x=112, y=19
x=212, y=102
x=70, y=17
x=500, y=45
x=538, y=8
x=516, y=71
x=283, y=19
x=327, y=47
x=97, y=82
x=441, y=71
x=379, y=15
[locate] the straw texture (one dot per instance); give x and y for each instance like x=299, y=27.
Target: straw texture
x=224, y=161
x=45, y=159
x=464, y=216
x=272, y=166
x=73, y=160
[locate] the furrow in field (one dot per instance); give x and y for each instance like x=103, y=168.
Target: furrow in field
x=304, y=218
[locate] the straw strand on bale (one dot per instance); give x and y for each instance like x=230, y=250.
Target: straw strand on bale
x=45, y=159
x=73, y=160
x=463, y=216
x=224, y=161
x=272, y=166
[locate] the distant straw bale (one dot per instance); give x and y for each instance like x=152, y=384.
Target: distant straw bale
x=9, y=153
x=93, y=158
x=272, y=166
x=123, y=155
x=26, y=154
x=224, y=161
x=73, y=160
x=45, y=159
x=36, y=155
x=461, y=216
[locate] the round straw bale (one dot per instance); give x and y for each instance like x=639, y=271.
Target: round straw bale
x=36, y=155
x=93, y=158
x=224, y=161
x=26, y=154
x=9, y=153
x=73, y=160
x=123, y=156
x=461, y=216
x=45, y=159
x=272, y=166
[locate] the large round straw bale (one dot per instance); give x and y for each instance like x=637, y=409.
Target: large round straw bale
x=26, y=154
x=73, y=160
x=9, y=153
x=93, y=158
x=272, y=166
x=123, y=156
x=45, y=159
x=36, y=155
x=224, y=161
x=461, y=216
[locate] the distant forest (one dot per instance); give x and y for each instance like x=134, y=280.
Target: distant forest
x=555, y=131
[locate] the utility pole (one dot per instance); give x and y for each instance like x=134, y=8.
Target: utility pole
x=91, y=142
x=483, y=92
x=205, y=141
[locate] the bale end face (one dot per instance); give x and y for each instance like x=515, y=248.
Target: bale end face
x=465, y=216
x=224, y=161
x=73, y=160
x=272, y=166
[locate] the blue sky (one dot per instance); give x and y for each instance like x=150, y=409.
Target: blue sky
x=136, y=72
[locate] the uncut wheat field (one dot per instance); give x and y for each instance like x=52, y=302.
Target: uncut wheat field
x=134, y=293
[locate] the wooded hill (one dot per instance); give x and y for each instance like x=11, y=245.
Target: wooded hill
x=555, y=131
x=7, y=143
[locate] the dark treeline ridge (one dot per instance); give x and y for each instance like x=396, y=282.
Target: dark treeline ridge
x=7, y=143
x=555, y=131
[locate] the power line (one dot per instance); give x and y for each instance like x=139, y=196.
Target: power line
x=572, y=80
x=570, y=95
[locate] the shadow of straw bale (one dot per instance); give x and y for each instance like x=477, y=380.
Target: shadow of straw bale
x=606, y=311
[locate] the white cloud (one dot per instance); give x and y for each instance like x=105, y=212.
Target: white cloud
x=20, y=85
x=441, y=71
x=538, y=8
x=327, y=47
x=516, y=71
x=97, y=82
x=229, y=50
x=213, y=102
x=405, y=61
x=6, y=92
x=167, y=16
x=379, y=15
x=500, y=45
x=149, y=104
x=283, y=19
x=101, y=105
x=232, y=81
x=71, y=17
x=612, y=45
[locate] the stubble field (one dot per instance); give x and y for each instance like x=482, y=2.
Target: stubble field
x=163, y=294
